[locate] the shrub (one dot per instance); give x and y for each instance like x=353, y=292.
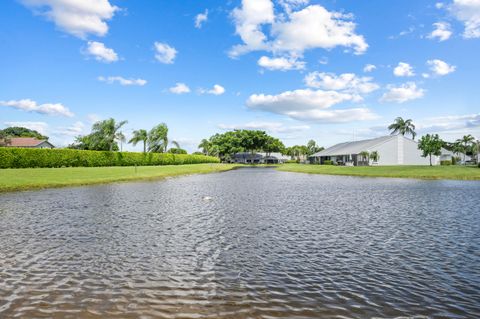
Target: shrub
x=446, y=163
x=291, y=162
x=327, y=162
x=34, y=157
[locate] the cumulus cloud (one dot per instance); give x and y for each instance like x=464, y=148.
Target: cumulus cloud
x=100, y=52
x=450, y=123
x=271, y=127
x=440, y=68
x=468, y=12
x=403, y=93
x=442, y=31
x=347, y=82
x=309, y=105
x=216, y=90
x=165, y=53
x=32, y=106
x=40, y=127
x=180, y=88
x=281, y=64
x=77, y=17
x=293, y=32
x=122, y=81
x=369, y=68
x=200, y=19
x=73, y=130
x=403, y=69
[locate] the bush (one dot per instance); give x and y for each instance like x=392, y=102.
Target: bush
x=35, y=157
x=327, y=162
x=291, y=162
x=446, y=163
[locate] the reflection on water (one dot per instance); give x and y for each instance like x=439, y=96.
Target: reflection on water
x=265, y=244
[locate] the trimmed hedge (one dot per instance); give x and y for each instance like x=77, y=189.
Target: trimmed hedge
x=328, y=162
x=445, y=163
x=35, y=157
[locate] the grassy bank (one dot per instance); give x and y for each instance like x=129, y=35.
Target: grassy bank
x=421, y=172
x=37, y=178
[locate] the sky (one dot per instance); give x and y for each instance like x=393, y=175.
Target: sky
x=332, y=70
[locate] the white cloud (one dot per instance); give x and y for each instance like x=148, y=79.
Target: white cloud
x=180, y=88
x=369, y=68
x=439, y=67
x=439, y=5
x=290, y=5
x=315, y=27
x=403, y=93
x=403, y=69
x=40, y=127
x=468, y=12
x=451, y=123
x=73, y=130
x=165, y=53
x=282, y=63
x=122, y=81
x=442, y=31
x=216, y=90
x=309, y=105
x=347, y=82
x=100, y=52
x=32, y=106
x=271, y=127
x=200, y=19
x=294, y=31
x=77, y=17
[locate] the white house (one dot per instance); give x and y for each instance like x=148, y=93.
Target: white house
x=392, y=150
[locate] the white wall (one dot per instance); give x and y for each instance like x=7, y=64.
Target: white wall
x=391, y=153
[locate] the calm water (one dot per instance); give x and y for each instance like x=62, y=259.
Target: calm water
x=266, y=245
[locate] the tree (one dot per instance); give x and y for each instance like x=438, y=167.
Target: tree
x=105, y=132
x=158, y=139
x=430, y=145
x=313, y=147
x=374, y=156
x=273, y=145
x=401, y=126
x=121, y=138
x=465, y=141
x=140, y=136
x=177, y=150
x=4, y=139
x=205, y=145
x=17, y=131
x=365, y=156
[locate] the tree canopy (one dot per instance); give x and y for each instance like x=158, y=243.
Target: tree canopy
x=430, y=145
x=404, y=127
x=17, y=131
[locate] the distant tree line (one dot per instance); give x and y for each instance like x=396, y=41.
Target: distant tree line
x=227, y=144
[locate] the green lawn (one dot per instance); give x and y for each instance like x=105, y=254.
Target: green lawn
x=421, y=172
x=36, y=178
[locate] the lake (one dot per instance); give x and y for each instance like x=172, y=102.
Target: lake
x=249, y=243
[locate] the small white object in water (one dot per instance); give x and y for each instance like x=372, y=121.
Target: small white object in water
x=207, y=198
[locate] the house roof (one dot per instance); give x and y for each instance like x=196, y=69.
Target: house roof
x=354, y=147
x=26, y=142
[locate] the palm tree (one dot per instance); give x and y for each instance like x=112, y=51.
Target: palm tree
x=176, y=144
x=158, y=138
x=400, y=126
x=205, y=145
x=365, y=156
x=106, y=132
x=140, y=136
x=374, y=156
x=465, y=141
x=121, y=138
x=4, y=139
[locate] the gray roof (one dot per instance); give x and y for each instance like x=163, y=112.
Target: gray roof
x=357, y=147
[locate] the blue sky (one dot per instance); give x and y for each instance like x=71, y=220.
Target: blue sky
x=324, y=70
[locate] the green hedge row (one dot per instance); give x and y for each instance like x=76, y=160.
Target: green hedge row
x=31, y=157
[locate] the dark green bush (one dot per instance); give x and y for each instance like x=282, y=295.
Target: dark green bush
x=327, y=162
x=34, y=157
x=291, y=161
x=446, y=163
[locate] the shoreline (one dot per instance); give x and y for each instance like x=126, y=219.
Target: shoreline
x=27, y=179
x=459, y=173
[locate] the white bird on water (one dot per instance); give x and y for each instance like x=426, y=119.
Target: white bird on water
x=207, y=198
